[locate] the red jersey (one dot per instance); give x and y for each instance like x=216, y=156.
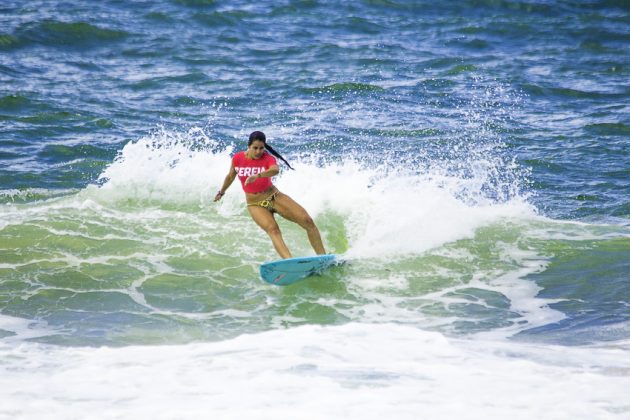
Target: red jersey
x=247, y=167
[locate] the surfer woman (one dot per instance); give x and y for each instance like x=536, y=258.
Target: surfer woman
x=254, y=168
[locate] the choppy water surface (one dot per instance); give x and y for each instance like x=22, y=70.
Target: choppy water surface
x=469, y=159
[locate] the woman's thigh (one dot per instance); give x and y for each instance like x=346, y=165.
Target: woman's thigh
x=290, y=209
x=263, y=217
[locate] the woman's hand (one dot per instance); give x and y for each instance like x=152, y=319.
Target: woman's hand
x=219, y=196
x=251, y=179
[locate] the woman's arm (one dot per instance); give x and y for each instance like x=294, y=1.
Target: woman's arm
x=271, y=172
x=226, y=183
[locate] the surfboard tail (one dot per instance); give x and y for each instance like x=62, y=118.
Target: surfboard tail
x=291, y=270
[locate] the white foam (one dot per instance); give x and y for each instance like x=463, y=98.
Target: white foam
x=388, y=210
x=20, y=329
x=355, y=371
x=167, y=166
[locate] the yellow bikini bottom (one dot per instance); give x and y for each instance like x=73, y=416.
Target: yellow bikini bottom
x=267, y=203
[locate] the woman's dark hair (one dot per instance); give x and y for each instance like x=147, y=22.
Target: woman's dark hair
x=259, y=135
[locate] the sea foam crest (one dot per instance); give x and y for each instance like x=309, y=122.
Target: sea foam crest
x=167, y=166
x=389, y=209
x=396, y=213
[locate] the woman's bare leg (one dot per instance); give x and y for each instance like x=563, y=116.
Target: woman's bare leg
x=291, y=210
x=267, y=222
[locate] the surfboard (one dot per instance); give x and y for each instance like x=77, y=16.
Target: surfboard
x=291, y=270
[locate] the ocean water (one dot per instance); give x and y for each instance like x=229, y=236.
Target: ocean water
x=469, y=159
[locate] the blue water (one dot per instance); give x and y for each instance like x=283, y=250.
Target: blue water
x=471, y=158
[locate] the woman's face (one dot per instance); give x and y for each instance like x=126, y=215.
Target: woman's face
x=256, y=149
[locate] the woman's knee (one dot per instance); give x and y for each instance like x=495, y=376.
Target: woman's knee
x=307, y=222
x=272, y=229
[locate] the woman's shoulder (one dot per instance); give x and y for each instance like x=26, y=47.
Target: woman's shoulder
x=238, y=155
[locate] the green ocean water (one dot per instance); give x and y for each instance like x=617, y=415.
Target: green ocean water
x=470, y=160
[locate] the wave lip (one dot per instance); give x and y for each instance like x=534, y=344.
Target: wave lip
x=8, y=41
x=77, y=34
x=346, y=87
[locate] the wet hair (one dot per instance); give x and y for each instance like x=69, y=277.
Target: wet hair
x=259, y=135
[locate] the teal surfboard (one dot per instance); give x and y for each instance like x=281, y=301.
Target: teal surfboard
x=285, y=272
